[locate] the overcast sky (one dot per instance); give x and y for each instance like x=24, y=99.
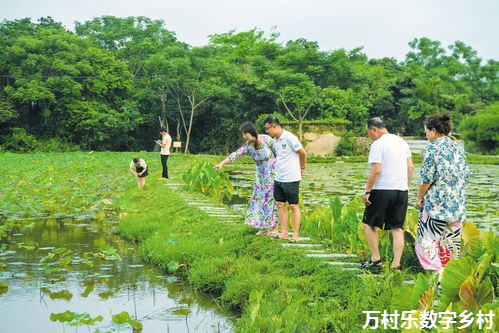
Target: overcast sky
x=382, y=27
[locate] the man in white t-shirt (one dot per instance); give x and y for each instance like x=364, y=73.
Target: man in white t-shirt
x=290, y=166
x=386, y=192
x=165, y=144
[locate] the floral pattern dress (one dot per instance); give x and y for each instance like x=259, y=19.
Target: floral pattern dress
x=262, y=211
x=439, y=225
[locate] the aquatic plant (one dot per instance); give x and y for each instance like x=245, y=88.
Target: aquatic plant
x=75, y=319
x=125, y=318
x=337, y=226
x=202, y=177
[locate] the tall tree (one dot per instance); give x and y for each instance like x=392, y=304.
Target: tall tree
x=65, y=87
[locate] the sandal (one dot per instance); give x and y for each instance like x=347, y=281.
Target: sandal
x=370, y=265
x=262, y=232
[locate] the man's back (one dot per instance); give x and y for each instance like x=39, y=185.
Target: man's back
x=392, y=152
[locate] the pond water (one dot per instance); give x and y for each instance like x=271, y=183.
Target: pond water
x=346, y=180
x=94, y=282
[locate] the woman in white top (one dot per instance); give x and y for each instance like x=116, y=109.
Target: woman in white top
x=140, y=169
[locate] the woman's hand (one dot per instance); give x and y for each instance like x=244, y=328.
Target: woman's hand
x=218, y=166
x=419, y=204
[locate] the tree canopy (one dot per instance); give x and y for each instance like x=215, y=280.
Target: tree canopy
x=111, y=83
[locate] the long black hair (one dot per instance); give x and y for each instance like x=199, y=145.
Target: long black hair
x=249, y=127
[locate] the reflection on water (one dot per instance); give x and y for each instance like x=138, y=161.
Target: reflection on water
x=108, y=287
x=346, y=180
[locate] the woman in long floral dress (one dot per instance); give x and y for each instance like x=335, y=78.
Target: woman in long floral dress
x=262, y=211
x=441, y=196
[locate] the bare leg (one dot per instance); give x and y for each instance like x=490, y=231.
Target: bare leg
x=295, y=220
x=283, y=219
x=372, y=240
x=398, y=246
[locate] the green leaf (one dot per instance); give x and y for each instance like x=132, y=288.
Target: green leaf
x=172, y=266
x=254, y=299
x=65, y=316
x=181, y=311
x=455, y=273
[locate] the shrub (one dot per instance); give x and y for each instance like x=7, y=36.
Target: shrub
x=350, y=145
x=480, y=131
x=57, y=145
x=19, y=141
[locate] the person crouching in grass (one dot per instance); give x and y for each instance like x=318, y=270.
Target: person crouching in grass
x=139, y=168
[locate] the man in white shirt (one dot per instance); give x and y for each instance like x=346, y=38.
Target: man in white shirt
x=386, y=192
x=165, y=144
x=290, y=166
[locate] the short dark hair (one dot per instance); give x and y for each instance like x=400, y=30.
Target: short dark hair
x=272, y=121
x=441, y=122
x=136, y=159
x=163, y=129
x=375, y=122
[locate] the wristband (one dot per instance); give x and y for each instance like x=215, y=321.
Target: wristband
x=367, y=192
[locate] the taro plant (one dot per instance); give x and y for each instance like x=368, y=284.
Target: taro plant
x=338, y=225
x=202, y=177
x=468, y=285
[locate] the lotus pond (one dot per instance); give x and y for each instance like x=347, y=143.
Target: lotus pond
x=62, y=267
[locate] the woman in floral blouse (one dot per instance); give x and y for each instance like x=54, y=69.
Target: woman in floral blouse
x=441, y=196
x=262, y=211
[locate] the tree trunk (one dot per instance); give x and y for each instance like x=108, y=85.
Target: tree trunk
x=193, y=109
x=300, y=129
x=163, y=112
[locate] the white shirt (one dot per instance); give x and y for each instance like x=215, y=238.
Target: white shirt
x=166, y=140
x=142, y=163
x=392, y=152
x=288, y=161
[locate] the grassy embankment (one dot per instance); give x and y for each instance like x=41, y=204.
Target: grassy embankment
x=271, y=288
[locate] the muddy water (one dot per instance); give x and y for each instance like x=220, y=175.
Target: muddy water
x=95, y=281
x=346, y=180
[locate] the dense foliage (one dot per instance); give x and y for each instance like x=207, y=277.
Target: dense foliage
x=109, y=84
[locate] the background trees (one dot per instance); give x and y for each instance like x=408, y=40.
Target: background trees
x=107, y=86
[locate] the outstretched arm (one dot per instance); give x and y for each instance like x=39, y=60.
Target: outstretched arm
x=221, y=164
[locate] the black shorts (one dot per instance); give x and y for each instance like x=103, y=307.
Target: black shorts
x=139, y=170
x=287, y=192
x=387, y=210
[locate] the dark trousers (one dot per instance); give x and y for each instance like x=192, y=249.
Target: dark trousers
x=164, y=163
